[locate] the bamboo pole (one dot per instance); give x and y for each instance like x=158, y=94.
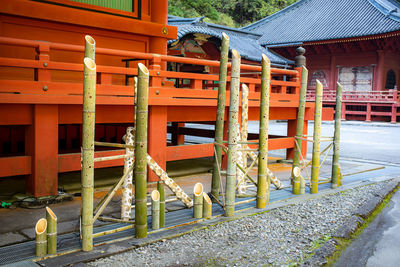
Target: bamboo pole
x=41, y=238
x=302, y=185
x=198, y=201
x=232, y=135
x=141, y=152
x=263, y=181
x=90, y=46
x=51, y=231
x=300, y=120
x=317, y=134
x=296, y=180
x=155, y=210
x=88, y=124
x=180, y=194
x=241, y=181
x=274, y=180
x=336, y=137
x=161, y=190
x=110, y=195
x=106, y=144
x=219, y=123
x=127, y=186
x=207, y=206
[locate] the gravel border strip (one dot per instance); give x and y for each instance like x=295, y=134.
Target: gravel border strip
x=119, y=246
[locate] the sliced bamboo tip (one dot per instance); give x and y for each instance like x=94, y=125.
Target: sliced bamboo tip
x=318, y=83
x=225, y=36
x=90, y=40
x=266, y=59
x=296, y=171
x=51, y=213
x=198, y=189
x=143, y=68
x=155, y=195
x=303, y=68
x=206, y=198
x=89, y=63
x=41, y=226
x=338, y=84
x=244, y=87
x=235, y=53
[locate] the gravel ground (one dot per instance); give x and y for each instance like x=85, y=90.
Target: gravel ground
x=283, y=236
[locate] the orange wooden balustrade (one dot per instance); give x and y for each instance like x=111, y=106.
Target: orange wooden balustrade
x=364, y=104
x=44, y=93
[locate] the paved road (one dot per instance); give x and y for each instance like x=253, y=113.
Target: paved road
x=379, y=244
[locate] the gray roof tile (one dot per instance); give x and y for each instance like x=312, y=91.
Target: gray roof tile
x=245, y=42
x=315, y=20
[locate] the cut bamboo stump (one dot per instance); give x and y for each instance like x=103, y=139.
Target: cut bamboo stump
x=41, y=237
x=161, y=190
x=207, y=206
x=51, y=231
x=198, y=201
x=296, y=180
x=155, y=210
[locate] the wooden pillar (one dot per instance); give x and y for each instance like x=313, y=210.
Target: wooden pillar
x=343, y=111
x=380, y=74
x=368, y=114
x=42, y=145
x=332, y=74
x=157, y=138
x=393, y=118
x=177, y=138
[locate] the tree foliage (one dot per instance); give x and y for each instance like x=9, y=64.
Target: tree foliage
x=227, y=12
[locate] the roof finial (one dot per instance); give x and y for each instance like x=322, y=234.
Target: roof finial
x=300, y=59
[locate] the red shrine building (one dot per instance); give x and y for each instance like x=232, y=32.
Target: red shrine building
x=354, y=42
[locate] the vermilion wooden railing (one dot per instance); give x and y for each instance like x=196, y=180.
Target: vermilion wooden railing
x=42, y=89
x=387, y=96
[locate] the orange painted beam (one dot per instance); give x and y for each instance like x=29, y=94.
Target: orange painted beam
x=58, y=13
x=13, y=166
x=189, y=151
x=15, y=114
x=72, y=162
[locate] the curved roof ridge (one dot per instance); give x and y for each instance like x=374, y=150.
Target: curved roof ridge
x=389, y=8
x=276, y=14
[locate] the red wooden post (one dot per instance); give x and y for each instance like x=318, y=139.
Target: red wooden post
x=393, y=118
x=157, y=138
x=41, y=139
x=42, y=145
x=343, y=111
x=177, y=138
x=368, y=114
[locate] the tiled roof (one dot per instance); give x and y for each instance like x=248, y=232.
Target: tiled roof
x=245, y=42
x=316, y=20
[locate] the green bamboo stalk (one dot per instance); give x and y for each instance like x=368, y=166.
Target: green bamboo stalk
x=302, y=185
x=316, y=138
x=87, y=175
x=90, y=46
x=219, y=123
x=207, y=206
x=51, y=231
x=263, y=180
x=198, y=201
x=296, y=180
x=233, y=135
x=141, y=152
x=336, y=137
x=161, y=190
x=300, y=117
x=41, y=238
x=155, y=210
